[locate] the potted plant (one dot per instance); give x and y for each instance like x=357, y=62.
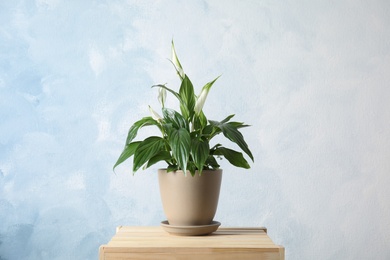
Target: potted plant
x=190, y=183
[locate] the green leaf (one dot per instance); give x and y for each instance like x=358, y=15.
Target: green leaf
x=146, y=121
x=234, y=157
x=200, y=122
x=208, y=130
x=235, y=124
x=180, y=142
x=227, y=119
x=187, y=95
x=146, y=150
x=200, y=153
x=238, y=124
x=127, y=152
x=167, y=128
x=161, y=156
x=192, y=169
x=172, y=168
x=173, y=117
x=231, y=132
x=212, y=162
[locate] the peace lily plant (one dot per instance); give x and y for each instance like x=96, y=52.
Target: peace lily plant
x=185, y=138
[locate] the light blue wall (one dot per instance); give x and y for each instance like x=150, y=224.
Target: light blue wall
x=311, y=77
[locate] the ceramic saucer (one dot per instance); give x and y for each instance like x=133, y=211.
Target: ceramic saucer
x=190, y=230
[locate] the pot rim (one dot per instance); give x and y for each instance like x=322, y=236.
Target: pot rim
x=209, y=170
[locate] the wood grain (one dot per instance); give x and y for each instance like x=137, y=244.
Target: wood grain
x=225, y=243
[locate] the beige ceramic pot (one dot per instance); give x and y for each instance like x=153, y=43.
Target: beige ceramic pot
x=187, y=200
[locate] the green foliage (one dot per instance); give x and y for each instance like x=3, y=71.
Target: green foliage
x=185, y=137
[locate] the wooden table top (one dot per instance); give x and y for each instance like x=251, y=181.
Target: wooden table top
x=227, y=243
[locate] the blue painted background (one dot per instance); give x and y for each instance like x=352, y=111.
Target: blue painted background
x=311, y=77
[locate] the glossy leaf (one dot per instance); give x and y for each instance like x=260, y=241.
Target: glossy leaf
x=192, y=169
x=172, y=168
x=160, y=156
x=148, y=148
x=212, y=162
x=187, y=95
x=127, y=152
x=227, y=119
x=238, y=124
x=200, y=121
x=235, y=124
x=173, y=117
x=200, y=153
x=180, y=142
x=146, y=121
x=234, y=157
x=231, y=132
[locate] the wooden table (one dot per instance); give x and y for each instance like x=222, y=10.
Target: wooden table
x=225, y=243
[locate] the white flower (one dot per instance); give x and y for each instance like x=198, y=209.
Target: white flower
x=176, y=63
x=202, y=97
x=201, y=100
x=162, y=94
x=154, y=114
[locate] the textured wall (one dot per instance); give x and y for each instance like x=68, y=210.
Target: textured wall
x=311, y=77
